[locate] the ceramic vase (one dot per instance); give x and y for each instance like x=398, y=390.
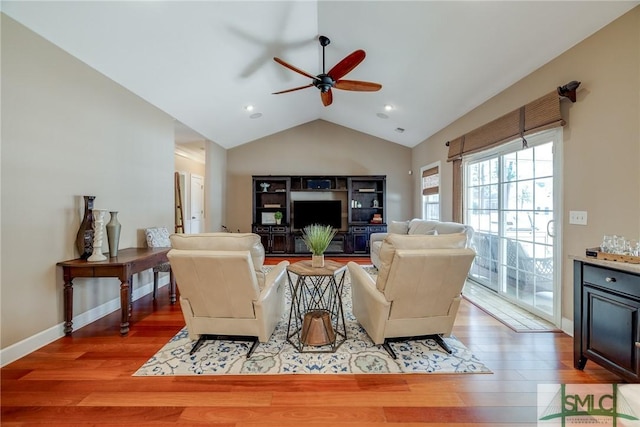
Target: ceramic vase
x=98, y=235
x=113, y=234
x=317, y=260
x=84, y=238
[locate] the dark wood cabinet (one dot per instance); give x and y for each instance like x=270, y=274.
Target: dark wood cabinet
x=275, y=238
x=367, y=199
x=607, y=316
x=271, y=195
x=360, y=236
x=363, y=201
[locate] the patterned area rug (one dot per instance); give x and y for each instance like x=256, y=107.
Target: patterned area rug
x=357, y=355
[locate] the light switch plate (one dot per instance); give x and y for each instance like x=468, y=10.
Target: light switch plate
x=578, y=217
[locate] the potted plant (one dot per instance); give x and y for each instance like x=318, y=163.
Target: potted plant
x=317, y=237
x=278, y=217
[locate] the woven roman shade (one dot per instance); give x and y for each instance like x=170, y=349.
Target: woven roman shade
x=536, y=116
x=457, y=191
x=430, y=181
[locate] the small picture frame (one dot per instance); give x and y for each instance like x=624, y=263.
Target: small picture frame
x=268, y=218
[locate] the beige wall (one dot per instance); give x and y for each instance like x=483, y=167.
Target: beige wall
x=601, y=137
x=68, y=131
x=183, y=164
x=216, y=187
x=317, y=148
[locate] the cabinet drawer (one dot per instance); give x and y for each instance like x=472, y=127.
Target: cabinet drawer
x=361, y=229
x=614, y=280
x=258, y=229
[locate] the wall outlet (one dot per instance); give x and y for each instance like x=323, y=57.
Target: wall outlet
x=578, y=217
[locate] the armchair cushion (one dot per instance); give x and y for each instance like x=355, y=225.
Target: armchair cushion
x=225, y=242
x=413, y=241
x=398, y=227
x=226, y=269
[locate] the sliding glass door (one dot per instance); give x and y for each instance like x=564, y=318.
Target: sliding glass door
x=510, y=202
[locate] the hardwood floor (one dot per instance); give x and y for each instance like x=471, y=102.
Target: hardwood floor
x=86, y=380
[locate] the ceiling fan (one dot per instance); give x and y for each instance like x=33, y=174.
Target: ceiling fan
x=332, y=79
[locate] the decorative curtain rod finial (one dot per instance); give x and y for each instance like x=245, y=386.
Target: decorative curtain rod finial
x=569, y=90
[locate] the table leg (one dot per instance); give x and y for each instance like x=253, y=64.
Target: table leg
x=130, y=295
x=172, y=287
x=125, y=306
x=68, y=306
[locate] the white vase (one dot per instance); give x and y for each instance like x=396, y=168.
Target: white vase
x=98, y=235
x=317, y=260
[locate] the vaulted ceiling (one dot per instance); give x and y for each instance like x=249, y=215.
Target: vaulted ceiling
x=203, y=62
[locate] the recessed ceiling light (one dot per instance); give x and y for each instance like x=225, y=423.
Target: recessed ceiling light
x=382, y=115
x=248, y=107
x=255, y=116
x=388, y=107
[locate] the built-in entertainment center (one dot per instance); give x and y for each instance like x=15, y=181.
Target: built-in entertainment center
x=355, y=205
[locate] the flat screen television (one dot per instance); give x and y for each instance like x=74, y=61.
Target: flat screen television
x=325, y=212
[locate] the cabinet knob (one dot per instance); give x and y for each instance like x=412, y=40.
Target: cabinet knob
x=610, y=279
x=637, y=344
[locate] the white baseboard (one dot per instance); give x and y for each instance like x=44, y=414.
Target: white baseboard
x=34, y=342
x=567, y=326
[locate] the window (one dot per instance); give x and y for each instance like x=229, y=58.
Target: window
x=431, y=191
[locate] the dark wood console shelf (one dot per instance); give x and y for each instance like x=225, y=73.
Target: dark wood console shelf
x=362, y=197
x=607, y=316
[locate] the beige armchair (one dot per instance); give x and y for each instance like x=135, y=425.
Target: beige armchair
x=418, y=290
x=223, y=292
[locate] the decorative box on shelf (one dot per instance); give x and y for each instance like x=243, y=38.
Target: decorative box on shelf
x=598, y=254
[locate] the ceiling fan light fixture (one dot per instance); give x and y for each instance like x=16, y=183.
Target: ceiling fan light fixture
x=332, y=78
x=324, y=83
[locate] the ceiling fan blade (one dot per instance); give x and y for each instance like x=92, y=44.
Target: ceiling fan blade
x=327, y=97
x=350, y=62
x=357, y=85
x=291, y=90
x=292, y=68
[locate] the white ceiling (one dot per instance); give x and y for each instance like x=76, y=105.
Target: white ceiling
x=203, y=61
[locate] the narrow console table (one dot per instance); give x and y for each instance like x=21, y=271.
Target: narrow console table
x=607, y=315
x=128, y=262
